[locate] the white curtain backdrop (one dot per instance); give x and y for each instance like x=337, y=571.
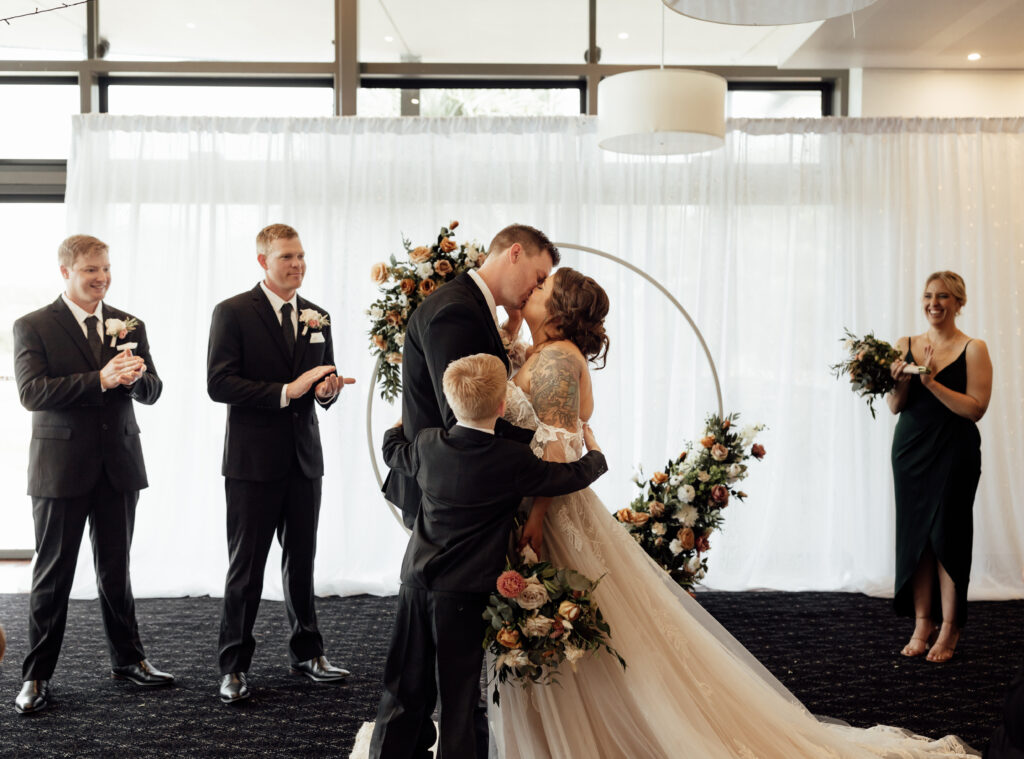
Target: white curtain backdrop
x=795, y=230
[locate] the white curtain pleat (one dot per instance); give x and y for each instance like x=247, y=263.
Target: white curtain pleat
x=795, y=230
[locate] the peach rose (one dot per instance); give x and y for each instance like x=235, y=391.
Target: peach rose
x=394, y=358
x=408, y=286
x=569, y=610
x=443, y=267
x=685, y=538
x=623, y=515
x=508, y=637
x=720, y=494
x=757, y=451
x=719, y=452
x=659, y=478
x=420, y=254
x=393, y=317
x=448, y=245
x=427, y=286
x=708, y=441
x=657, y=509
x=379, y=273
x=380, y=342
x=510, y=584
x=639, y=518
x=659, y=542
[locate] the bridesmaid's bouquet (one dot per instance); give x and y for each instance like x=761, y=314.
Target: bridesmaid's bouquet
x=868, y=366
x=539, y=617
x=404, y=285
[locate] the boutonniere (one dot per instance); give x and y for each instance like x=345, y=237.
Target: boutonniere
x=313, y=320
x=118, y=329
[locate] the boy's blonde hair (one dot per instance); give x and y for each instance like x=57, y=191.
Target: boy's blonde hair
x=475, y=386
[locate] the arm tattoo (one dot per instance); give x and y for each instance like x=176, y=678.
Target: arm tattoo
x=555, y=389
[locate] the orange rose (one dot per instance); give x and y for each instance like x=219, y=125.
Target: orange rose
x=685, y=538
x=407, y=285
x=639, y=518
x=380, y=342
x=708, y=441
x=508, y=637
x=427, y=286
x=569, y=610
x=659, y=477
x=444, y=266
x=420, y=254
x=448, y=245
x=623, y=515
x=726, y=424
x=453, y=225
x=379, y=273
x=393, y=317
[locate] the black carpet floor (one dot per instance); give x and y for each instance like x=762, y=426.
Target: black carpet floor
x=837, y=652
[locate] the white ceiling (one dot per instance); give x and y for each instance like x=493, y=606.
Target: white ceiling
x=890, y=33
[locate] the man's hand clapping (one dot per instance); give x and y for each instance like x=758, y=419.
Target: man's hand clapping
x=122, y=369
x=329, y=387
x=332, y=385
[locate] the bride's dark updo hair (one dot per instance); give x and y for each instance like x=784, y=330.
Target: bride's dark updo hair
x=578, y=306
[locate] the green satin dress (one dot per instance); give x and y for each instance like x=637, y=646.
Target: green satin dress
x=936, y=463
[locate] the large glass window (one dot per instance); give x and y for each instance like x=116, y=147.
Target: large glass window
x=36, y=120
x=32, y=232
x=773, y=104
x=226, y=30
x=57, y=35
x=207, y=100
x=471, y=31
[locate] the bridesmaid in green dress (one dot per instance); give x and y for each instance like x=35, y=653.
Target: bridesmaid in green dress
x=936, y=463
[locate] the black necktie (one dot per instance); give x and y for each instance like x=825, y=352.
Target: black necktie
x=287, y=329
x=93, y=336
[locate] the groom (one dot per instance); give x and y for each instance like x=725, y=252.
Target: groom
x=461, y=319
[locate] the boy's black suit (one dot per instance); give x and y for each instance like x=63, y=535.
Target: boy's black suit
x=472, y=483
x=85, y=464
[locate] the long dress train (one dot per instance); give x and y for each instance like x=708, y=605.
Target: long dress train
x=690, y=689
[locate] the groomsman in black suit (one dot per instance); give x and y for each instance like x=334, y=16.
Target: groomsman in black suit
x=79, y=364
x=270, y=354
x=461, y=319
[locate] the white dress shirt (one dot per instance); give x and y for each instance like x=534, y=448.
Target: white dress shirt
x=474, y=427
x=276, y=301
x=81, y=315
x=475, y=276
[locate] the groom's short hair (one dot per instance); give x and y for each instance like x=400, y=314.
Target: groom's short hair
x=531, y=238
x=475, y=386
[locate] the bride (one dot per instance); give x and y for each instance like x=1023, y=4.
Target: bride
x=690, y=689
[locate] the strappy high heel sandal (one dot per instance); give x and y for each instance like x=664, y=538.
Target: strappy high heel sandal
x=918, y=646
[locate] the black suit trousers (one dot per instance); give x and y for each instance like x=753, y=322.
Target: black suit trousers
x=59, y=525
x=255, y=511
x=435, y=654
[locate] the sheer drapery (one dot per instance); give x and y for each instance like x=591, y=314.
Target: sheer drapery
x=797, y=229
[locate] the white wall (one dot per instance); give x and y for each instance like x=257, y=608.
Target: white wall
x=944, y=93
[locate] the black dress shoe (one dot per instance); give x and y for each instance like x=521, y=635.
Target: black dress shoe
x=233, y=688
x=319, y=670
x=142, y=673
x=34, y=697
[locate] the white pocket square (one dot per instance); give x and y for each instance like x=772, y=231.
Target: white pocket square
x=127, y=346
x=316, y=337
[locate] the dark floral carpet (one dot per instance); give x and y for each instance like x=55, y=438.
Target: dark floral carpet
x=836, y=651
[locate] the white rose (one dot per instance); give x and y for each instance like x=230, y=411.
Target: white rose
x=514, y=658
x=376, y=312
x=529, y=555
x=693, y=565
x=734, y=472
x=675, y=547
x=687, y=515
x=403, y=300
x=675, y=479
x=703, y=476
x=748, y=433
x=574, y=654
x=534, y=595
x=400, y=339
x=425, y=269
x=658, y=528
x=686, y=494
x=536, y=626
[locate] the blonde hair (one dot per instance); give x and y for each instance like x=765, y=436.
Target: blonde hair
x=76, y=246
x=953, y=282
x=475, y=386
x=268, y=234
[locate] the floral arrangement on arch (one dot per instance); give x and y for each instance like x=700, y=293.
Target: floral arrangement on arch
x=404, y=285
x=680, y=506
x=540, y=617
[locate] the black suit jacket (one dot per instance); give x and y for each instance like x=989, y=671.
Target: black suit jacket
x=76, y=426
x=472, y=483
x=247, y=365
x=453, y=322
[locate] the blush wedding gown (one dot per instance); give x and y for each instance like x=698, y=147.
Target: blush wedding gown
x=690, y=689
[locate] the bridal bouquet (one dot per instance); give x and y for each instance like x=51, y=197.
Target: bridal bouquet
x=404, y=285
x=681, y=505
x=540, y=617
x=868, y=366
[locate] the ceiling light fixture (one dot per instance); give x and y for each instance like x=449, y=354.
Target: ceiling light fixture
x=661, y=112
x=974, y=57
x=765, y=12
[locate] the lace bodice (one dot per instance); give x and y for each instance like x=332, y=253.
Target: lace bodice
x=519, y=411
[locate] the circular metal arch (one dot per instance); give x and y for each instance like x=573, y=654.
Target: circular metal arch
x=636, y=270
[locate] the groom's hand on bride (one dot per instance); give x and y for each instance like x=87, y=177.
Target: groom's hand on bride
x=589, y=439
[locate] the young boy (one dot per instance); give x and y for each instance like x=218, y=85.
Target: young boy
x=472, y=483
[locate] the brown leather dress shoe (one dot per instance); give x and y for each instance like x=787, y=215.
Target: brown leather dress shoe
x=319, y=670
x=34, y=697
x=233, y=688
x=142, y=673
